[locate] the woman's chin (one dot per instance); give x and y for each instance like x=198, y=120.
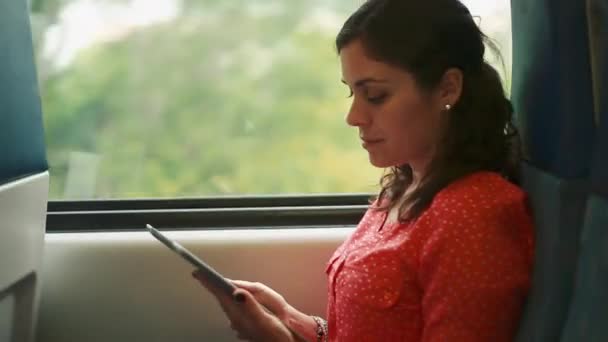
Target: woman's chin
x=379, y=162
x=382, y=162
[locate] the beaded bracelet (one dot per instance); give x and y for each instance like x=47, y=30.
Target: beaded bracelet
x=322, y=335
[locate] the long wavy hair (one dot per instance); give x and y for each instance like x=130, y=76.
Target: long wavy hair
x=426, y=38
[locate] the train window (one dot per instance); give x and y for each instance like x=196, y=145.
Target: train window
x=187, y=98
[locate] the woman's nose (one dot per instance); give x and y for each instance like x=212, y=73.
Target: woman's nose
x=356, y=116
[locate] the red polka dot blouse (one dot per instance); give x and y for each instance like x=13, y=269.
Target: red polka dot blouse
x=459, y=272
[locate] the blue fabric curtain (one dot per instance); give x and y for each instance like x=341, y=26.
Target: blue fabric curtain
x=599, y=171
x=552, y=88
x=598, y=27
x=22, y=149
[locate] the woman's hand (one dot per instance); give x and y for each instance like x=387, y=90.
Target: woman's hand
x=255, y=311
x=266, y=296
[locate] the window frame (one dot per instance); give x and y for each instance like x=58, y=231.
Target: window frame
x=208, y=213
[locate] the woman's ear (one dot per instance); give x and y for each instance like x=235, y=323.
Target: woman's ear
x=450, y=87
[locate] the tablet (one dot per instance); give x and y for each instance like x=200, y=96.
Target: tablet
x=211, y=275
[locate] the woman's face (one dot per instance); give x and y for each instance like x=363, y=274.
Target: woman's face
x=398, y=122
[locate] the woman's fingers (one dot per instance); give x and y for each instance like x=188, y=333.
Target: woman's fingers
x=248, y=317
x=240, y=332
x=252, y=287
x=264, y=295
x=250, y=310
x=242, y=313
x=248, y=302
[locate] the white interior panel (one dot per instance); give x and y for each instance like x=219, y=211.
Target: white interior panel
x=22, y=225
x=126, y=286
x=22, y=217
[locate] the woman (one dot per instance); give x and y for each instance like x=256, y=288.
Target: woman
x=445, y=252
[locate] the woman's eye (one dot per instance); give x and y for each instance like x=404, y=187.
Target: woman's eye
x=351, y=94
x=377, y=99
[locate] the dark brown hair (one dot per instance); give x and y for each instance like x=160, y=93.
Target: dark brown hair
x=426, y=38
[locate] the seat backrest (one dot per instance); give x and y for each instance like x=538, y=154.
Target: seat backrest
x=23, y=176
x=22, y=150
x=588, y=317
x=553, y=101
x=558, y=208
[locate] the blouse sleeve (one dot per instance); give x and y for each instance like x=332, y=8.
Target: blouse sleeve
x=475, y=272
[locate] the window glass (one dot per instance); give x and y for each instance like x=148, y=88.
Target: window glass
x=186, y=98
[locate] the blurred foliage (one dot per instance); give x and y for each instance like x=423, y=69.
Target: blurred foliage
x=220, y=100
x=227, y=97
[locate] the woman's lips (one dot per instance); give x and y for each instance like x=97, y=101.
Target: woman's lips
x=369, y=142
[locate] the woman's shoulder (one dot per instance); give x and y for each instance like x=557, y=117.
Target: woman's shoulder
x=480, y=185
x=480, y=193
x=481, y=209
